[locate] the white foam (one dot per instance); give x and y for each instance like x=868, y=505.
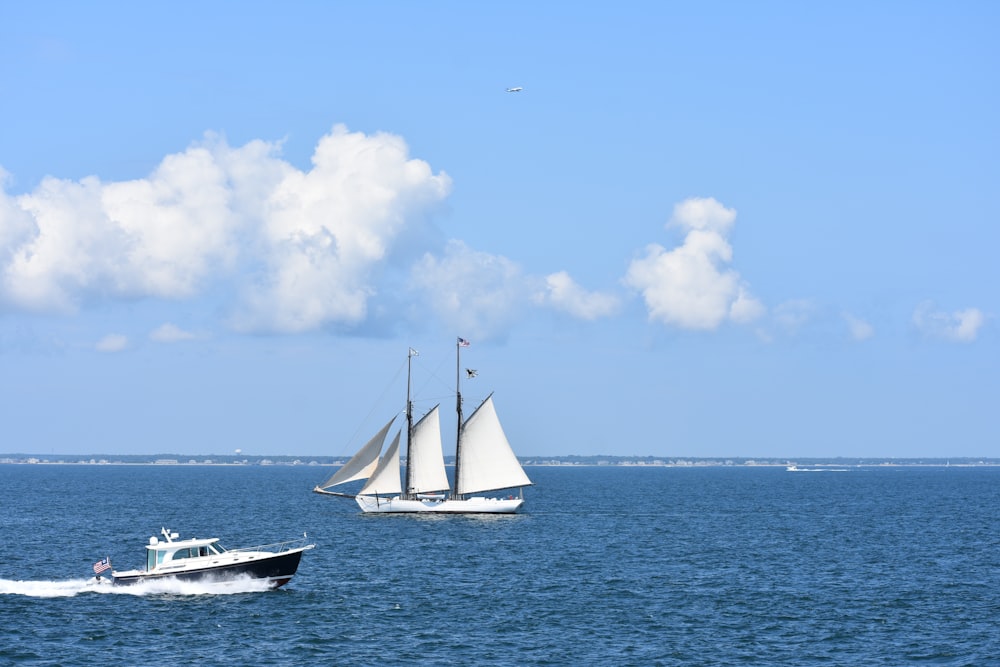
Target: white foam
x=73, y=587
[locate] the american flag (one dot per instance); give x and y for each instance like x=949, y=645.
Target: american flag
x=463, y=343
x=102, y=565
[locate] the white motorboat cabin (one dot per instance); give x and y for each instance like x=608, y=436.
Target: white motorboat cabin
x=169, y=552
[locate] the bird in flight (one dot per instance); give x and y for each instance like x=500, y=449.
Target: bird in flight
x=515, y=90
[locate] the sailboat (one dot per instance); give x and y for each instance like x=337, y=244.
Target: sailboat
x=484, y=461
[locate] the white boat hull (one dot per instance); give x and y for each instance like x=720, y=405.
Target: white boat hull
x=474, y=505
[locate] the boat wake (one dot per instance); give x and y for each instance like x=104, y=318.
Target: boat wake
x=72, y=587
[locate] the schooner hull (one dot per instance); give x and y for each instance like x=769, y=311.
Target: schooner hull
x=474, y=505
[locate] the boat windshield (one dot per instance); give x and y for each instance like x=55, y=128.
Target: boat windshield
x=217, y=548
x=192, y=552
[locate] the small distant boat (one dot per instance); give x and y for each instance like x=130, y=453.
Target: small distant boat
x=204, y=559
x=484, y=461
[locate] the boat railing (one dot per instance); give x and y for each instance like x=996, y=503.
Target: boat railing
x=276, y=547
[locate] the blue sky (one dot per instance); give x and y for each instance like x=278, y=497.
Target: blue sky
x=701, y=229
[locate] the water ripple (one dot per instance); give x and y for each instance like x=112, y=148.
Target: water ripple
x=614, y=566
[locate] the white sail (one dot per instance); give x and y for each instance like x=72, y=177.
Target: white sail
x=485, y=462
x=362, y=464
x=488, y=462
x=385, y=479
x=425, y=457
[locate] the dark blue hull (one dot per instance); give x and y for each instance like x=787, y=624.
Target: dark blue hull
x=278, y=569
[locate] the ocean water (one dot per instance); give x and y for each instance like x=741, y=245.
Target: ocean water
x=620, y=566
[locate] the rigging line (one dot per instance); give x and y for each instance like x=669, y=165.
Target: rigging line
x=434, y=399
x=375, y=406
x=435, y=374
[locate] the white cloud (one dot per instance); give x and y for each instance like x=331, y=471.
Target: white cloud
x=176, y=227
x=16, y=225
x=471, y=291
x=300, y=248
x=484, y=294
x=790, y=316
x=859, y=328
x=170, y=333
x=291, y=250
x=564, y=294
x=703, y=213
x=691, y=286
x=112, y=343
x=157, y=237
x=745, y=308
x=328, y=230
x=961, y=326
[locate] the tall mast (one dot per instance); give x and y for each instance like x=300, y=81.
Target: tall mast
x=409, y=425
x=461, y=342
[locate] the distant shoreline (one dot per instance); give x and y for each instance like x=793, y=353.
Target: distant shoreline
x=547, y=461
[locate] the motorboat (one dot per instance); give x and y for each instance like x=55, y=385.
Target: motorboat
x=205, y=559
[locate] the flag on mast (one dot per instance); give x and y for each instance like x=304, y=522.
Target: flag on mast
x=462, y=342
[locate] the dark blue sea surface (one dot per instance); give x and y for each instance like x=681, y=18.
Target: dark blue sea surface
x=608, y=565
